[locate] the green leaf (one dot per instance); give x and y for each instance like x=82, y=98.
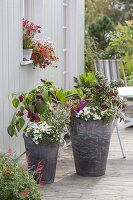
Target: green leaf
x=22, y=108
x=41, y=106
x=20, y=124
x=50, y=99
x=11, y=130
x=45, y=94
x=30, y=96
x=42, y=119
x=32, y=109
x=14, y=119
x=27, y=101
x=15, y=102
x=76, y=80
x=61, y=96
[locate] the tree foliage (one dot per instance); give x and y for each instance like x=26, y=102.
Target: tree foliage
x=96, y=29
x=99, y=29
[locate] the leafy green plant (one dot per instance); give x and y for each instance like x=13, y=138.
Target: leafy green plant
x=121, y=47
x=120, y=42
x=100, y=101
x=50, y=129
x=128, y=64
x=39, y=106
x=130, y=79
x=15, y=182
x=85, y=81
x=91, y=52
x=99, y=29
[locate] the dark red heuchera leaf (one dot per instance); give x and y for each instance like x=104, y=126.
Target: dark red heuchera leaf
x=20, y=113
x=32, y=117
x=21, y=98
x=37, y=118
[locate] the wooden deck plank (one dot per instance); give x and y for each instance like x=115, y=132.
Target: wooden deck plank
x=116, y=184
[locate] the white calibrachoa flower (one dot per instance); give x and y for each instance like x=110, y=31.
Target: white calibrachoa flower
x=41, y=131
x=86, y=114
x=51, y=129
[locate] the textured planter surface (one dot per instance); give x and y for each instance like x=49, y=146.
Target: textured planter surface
x=46, y=154
x=27, y=53
x=129, y=111
x=90, y=143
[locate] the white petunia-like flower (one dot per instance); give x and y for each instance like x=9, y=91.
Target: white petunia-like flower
x=40, y=130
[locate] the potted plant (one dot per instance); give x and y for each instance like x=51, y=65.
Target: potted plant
x=42, y=132
x=15, y=182
x=92, y=122
x=43, y=53
x=29, y=31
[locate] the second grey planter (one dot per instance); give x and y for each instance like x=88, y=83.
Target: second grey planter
x=46, y=154
x=90, y=144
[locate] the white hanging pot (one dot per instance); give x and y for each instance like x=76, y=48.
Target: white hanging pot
x=27, y=53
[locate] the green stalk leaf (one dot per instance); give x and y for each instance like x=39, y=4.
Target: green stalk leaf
x=15, y=102
x=11, y=130
x=20, y=124
x=61, y=96
x=41, y=106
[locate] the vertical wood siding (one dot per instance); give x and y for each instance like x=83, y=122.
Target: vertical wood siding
x=14, y=77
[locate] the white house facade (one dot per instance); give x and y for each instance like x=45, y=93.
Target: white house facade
x=63, y=22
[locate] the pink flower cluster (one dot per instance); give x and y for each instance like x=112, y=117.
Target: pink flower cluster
x=43, y=50
x=29, y=29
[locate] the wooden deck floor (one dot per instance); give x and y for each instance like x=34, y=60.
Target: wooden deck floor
x=117, y=184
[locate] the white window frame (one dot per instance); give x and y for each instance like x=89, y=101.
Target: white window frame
x=27, y=14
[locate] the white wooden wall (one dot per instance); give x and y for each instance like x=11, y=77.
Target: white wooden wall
x=14, y=77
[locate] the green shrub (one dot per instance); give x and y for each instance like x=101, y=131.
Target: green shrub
x=15, y=182
x=130, y=80
x=99, y=29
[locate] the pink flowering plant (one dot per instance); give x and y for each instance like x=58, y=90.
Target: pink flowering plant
x=29, y=32
x=43, y=54
x=100, y=100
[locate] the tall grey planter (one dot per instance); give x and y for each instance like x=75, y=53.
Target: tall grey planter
x=45, y=153
x=90, y=144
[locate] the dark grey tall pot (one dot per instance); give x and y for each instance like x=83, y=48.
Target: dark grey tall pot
x=90, y=144
x=45, y=153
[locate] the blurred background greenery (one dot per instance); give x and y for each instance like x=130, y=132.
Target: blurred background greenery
x=109, y=33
